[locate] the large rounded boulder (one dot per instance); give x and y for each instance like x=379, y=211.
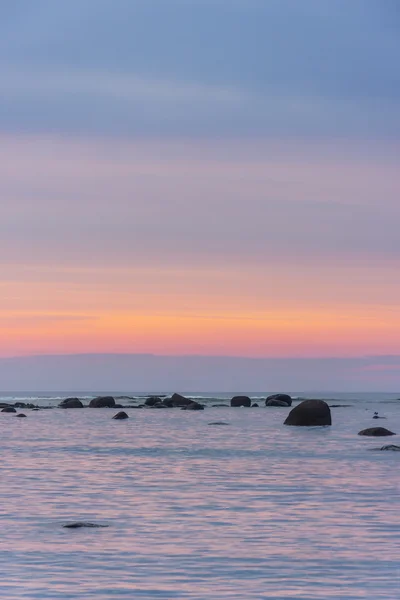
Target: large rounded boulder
x=240, y=401
x=102, y=402
x=71, y=403
x=8, y=409
x=310, y=413
x=376, y=432
x=278, y=400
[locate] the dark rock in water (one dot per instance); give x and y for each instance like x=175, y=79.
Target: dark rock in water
x=376, y=432
x=220, y=406
x=152, y=400
x=8, y=409
x=4, y=404
x=177, y=400
x=274, y=402
x=193, y=406
x=218, y=423
x=121, y=415
x=102, y=402
x=240, y=401
x=21, y=405
x=80, y=524
x=376, y=416
x=310, y=413
x=255, y=405
x=339, y=405
x=20, y=415
x=278, y=398
x=35, y=409
x=390, y=447
x=71, y=403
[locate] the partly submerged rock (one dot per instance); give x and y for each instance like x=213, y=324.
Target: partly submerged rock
x=193, y=406
x=240, y=401
x=121, y=415
x=220, y=406
x=102, y=402
x=278, y=399
x=8, y=409
x=255, y=405
x=71, y=403
x=21, y=415
x=376, y=432
x=218, y=423
x=310, y=413
x=274, y=402
x=177, y=400
x=152, y=400
x=79, y=524
x=390, y=447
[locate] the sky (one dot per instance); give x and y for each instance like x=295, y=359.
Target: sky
x=201, y=177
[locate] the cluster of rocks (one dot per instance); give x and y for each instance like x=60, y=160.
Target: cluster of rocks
x=308, y=413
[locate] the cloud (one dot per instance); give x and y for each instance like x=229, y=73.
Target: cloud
x=203, y=68
x=75, y=203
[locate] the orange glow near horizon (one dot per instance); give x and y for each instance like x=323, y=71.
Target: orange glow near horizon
x=235, y=248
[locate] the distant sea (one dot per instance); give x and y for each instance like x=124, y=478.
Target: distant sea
x=225, y=503
x=208, y=398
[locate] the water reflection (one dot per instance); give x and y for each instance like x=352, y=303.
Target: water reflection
x=253, y=510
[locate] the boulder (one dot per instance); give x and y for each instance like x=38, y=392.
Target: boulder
x=278, y=398
x=255, y=405
x=71, y=403
x=152, y=400
x=390, y=447
x=240, y=401
x=274, y=402
x=310, y=413
x=102, y=401
x=177, y=400
x=193, y=406
x=20, y=415
x=121, y=415
x=376, y=432
x=8, y=409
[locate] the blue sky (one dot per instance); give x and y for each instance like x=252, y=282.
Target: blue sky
x=215, y=177
x=315, y=68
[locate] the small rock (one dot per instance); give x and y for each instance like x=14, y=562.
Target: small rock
x=20, y=415
x=121, y=415
x=218, y=423
x=152, y=400
x=240, y=401
x=278, y=398
x=71, y=403
x=376, y=432
x=177, y=400
x=255, y=405
x=80, y=524
x=275, y=402
x=193, y=406
x=102, y=402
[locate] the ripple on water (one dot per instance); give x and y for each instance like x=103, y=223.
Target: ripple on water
x=254, y=510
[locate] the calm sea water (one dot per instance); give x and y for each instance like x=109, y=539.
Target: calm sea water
x=247, y=510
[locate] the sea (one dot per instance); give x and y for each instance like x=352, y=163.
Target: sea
x=200, y=505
